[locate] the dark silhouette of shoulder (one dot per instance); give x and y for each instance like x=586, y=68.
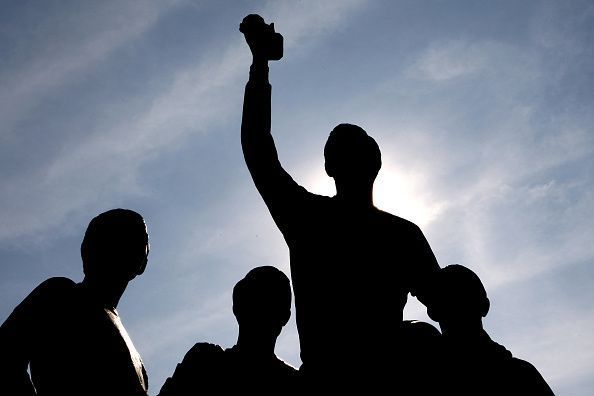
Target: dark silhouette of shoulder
x=528, y=378
x=201, y=356
x=57, y=283
x=194, y=371
x=418, y=362
x=53, y=288
x=491, y=368
x=208, y=367
x=20, y=325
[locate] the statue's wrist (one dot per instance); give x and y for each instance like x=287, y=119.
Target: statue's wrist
x=259, y=71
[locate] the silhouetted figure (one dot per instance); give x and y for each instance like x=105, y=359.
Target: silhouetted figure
x=70, y=334
x=421, y=348
x=262, y=306
x=474, y=364
x=352, y=265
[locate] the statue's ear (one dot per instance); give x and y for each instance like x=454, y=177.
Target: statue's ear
x=142, y=266
x=485, y=307
x=329, y=169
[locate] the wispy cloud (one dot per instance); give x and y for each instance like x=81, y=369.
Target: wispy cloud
x=103, y=29
x=107, y=162
x=202, y=320
x=487, y=143
x=451, y=59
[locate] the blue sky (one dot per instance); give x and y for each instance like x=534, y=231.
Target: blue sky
x=483, y=111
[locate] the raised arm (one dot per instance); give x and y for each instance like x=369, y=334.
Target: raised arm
x=425, y=266
x=277, y=188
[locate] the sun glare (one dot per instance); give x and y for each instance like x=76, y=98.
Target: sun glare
x=395, y=192
x=401, y=194
x=320, y=183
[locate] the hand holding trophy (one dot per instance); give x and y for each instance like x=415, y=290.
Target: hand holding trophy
x=264, y=42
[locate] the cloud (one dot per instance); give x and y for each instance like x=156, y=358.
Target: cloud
x=451, y=59
x=563, y=347
x=497, y=160
x=101, y=29
x=563, y=27
x=105, y=165
x=487, y=145
x=303, y=25
x=543, y=322
x=202, y=318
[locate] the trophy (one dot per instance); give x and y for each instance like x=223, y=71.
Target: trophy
x=257, y=32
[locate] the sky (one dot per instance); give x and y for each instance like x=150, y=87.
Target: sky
x=483, y=112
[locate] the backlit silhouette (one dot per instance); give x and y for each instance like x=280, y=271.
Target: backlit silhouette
x=70, y=333
x=473, y=363
x=352, y=265
x=262, y=306
x=420, y=347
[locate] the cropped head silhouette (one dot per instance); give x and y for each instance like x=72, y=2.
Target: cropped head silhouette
x=115, y=246
x=262, y=300
x=351, y=155
x=70, y=334
x=262, y=306
x=460, y=298
x=475, y=364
